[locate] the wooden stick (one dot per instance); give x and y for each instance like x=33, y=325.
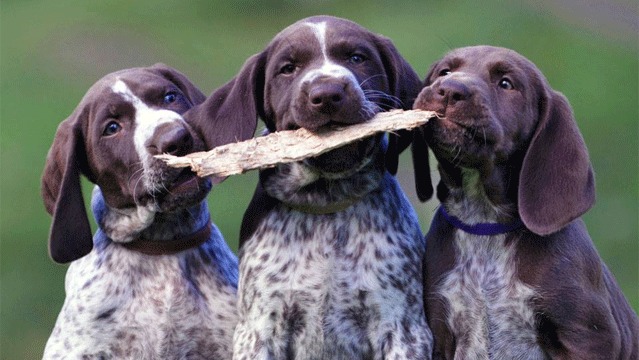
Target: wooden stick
x=289, y=146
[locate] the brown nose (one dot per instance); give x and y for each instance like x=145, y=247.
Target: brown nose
x=452, y=91
x=170, y=139
x=327, y=97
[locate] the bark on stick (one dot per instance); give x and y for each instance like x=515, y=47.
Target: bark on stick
x=289, y=146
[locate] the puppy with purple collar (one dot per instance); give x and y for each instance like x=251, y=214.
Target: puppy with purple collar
x=510, y=270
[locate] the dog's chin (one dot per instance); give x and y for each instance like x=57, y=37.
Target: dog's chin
x=461, y=145
x=185, y=191
x=346, y=160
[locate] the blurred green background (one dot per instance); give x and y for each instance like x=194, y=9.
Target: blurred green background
x=52, y=51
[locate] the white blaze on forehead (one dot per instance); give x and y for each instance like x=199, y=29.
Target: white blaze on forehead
x=147, y=120
x=319, y=29
x=328, y=67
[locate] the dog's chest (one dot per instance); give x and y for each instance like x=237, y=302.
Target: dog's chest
x=137, y=305
x=329, y=279
x=490, y=310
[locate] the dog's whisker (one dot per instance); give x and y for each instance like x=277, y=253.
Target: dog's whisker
x=369, y=109
x=363, y=82
x=135, y=173
x=139, y=182
x=483, y=130
x=380, y=96
x=136, y=163
x=457, y=157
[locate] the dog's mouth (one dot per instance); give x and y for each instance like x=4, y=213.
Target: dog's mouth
x=463, y=130
x=346, y=160
x=184, y=182
x=185, y=190
x=460, y=141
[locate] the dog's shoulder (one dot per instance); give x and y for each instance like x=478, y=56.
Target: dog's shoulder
x=601, y=312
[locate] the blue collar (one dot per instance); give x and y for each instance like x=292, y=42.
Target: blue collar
x=486, y=229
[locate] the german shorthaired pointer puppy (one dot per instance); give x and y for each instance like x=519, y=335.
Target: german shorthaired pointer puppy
x=510, y=271
x=158, y=280
x=331, y=250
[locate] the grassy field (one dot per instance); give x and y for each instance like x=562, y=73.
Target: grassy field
x=52, y=51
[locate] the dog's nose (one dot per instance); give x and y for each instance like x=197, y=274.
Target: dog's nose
x=327, y=97
x=453, y=91
x=173, y=140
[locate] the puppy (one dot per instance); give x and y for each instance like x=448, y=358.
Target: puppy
x=331, y=250
x=157, y=281
x=510, y=271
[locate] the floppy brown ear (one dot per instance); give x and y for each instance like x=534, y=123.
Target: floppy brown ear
x=230, y=113
x=556, y=183
x=403, y=81
x=70, y=235
x=404, y=85
x=421, y=166
x=429, y=74
x=398, y=141
x=419, y=153
x=181, y=81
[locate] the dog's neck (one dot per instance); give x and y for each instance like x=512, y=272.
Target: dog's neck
x=144, y=223
x=476, y=198
x=306, y=189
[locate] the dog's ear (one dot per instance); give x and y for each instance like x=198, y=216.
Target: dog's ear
x=421, y=166
x=429, y=74
x=230, y=113
x=404, y=85
x=70, y=235
x=191, y=91
x=556, y=183
x=403, y=82
x=398, y=141
x=419, y=153
x=259, y=207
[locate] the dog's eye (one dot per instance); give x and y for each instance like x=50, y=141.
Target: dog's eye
x=356, y=59
x=170, y=97
x=111, y=128
x=288, y=69
x=506, y=84
x=444, y=72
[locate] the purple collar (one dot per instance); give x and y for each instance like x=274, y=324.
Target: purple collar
x=486, y=229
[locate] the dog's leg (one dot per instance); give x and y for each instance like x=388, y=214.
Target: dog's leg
x=408, y=338
x=248, y=344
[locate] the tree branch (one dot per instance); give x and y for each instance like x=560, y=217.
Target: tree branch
x=289, y=146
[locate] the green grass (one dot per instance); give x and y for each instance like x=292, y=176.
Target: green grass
x=51, y=52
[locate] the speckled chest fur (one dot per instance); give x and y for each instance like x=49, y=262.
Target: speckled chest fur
x=336, y=286
x=123, y=304
x=153, y=309
x=490, y=310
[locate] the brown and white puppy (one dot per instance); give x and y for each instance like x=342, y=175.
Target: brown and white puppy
x=510, y=271
x=157, y=281
x=330, y=259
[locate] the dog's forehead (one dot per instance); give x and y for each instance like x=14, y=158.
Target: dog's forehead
x=140, y=83
x=127, y=93
x=136, y=80
x=319, y=31
x=336, y=28
x=121, y=92
x=488, y=57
